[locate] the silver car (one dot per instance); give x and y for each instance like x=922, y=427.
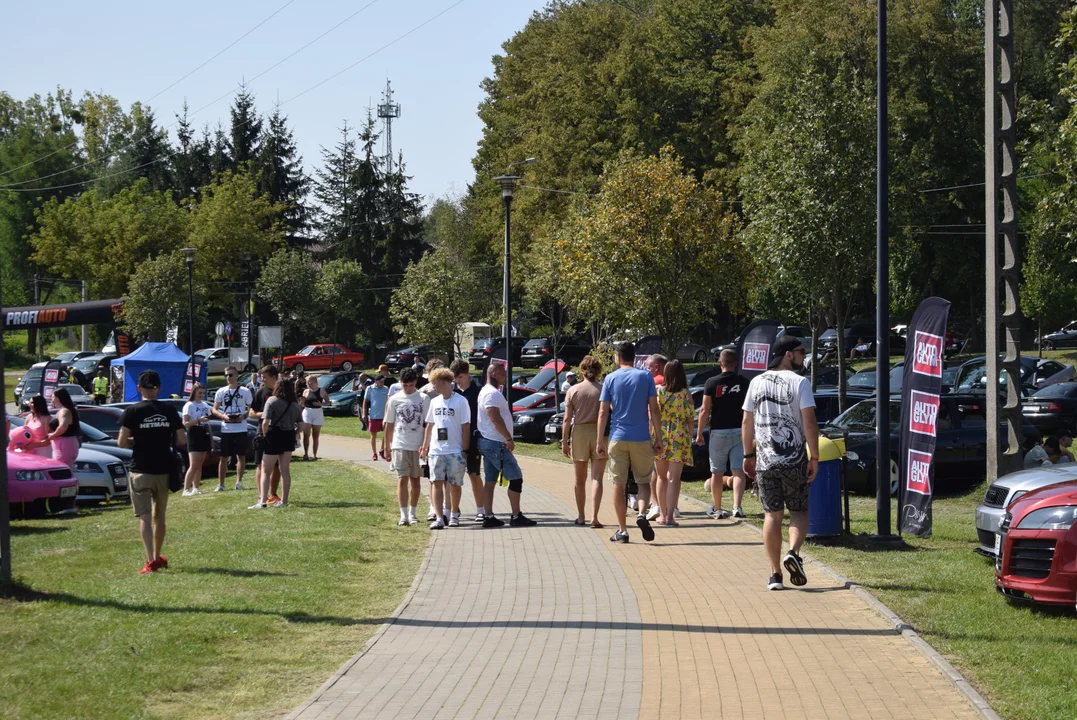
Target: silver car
x=1004, y=491
x=101, y=477
x=78, y=395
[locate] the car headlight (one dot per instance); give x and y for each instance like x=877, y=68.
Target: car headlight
x=29, y=475
x=85, y=466
x=851, y=456
x=524, y=419
x=1051, y=518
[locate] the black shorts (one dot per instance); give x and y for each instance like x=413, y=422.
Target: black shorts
x=783, y=487
x=474, y=457
x=279, y=441
x=234, y=444
x=198, y=440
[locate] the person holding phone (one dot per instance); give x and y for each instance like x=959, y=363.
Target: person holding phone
x=230, y=405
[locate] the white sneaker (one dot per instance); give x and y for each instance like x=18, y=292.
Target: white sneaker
x=412, y=520
x=707, y=485
x=279, y=503
x=652, y=513
x=187, y=493
x=239, y=486
x=219, y=488
x=257, y=506
x=633, y=502
x=197, y=491
x=676, y=513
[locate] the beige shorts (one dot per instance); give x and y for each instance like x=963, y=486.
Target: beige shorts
x=406, y=463
x=637, y=456
x=584, y=442
x=149, y=494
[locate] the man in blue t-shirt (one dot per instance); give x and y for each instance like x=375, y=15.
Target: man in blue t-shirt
x=629, y=401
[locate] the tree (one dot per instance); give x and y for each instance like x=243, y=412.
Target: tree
x=157, y=297
x=287, y=284
x=653, y=251
x=334, y=195
x=245, y=141
x=437, y=294
x=281, y=178
x=341, y=295
x=191, y=161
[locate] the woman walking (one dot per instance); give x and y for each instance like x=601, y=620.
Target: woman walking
x=677, y=413
x=280, y=419
x=65, y=429
x=579, y=437
x=37, y=423
x=313, y=415
x=196, y=416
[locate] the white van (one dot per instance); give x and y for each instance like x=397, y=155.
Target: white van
x=467, y=334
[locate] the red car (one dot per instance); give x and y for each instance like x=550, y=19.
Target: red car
x=323, y=357
x=534, y=401
x=1038, y=554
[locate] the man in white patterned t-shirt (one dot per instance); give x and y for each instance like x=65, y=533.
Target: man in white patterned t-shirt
x=230, y=406
x=405, y=418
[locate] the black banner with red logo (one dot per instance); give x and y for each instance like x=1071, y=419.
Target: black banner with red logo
x=51, y=376
x=193, y=374
x=753, y=348
x=920, y=391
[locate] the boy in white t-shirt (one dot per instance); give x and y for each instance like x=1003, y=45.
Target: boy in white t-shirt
x=448, y=434
x=405, y=416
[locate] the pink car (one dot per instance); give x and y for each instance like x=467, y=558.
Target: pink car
x=40, y=483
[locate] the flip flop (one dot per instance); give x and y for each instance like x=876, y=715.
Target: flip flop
x=577, y=521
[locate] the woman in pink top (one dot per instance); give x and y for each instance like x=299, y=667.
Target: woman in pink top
x=37, y=422
x=65, y=435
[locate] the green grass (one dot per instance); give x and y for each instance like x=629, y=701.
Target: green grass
x=1019, y=657
x=257, y=609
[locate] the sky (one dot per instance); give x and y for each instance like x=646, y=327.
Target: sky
x=136, y=50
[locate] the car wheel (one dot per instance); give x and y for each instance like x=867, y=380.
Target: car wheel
x=701, y=357
x=298, y=367
x=1048, y=345
x=893, y=477
x=346, y=366
x=355, y=407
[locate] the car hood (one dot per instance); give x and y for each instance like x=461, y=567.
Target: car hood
x=535, y=411
x=118, y=453
x=1036, y=478
x=29, y=461
x=97, y=456
x=1050, y=496
x=339, y=397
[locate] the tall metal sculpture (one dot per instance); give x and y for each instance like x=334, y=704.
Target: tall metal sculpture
x=1003, y=309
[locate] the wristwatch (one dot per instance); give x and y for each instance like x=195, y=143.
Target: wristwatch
x=749, y=456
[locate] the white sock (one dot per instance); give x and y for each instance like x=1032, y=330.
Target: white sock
x=411, y=510
x=456, y=515
x=481, y=510
x=403, y=513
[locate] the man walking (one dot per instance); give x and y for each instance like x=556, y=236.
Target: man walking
x=270, y=376
x=779, y=418
x=230, y=406
x=448, y=432
x=497, y=446
x=405, y=416
x=723, y=398
x=149, y=429
x=100, y=388
x=461, y=372
x=629, y=402
x=374, y=400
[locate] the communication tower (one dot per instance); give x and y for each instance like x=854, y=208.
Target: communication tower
x=388, y=111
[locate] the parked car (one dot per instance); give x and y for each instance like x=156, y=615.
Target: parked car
x=543, y=381
x=323, y=357
x=218, y=358
x=69, y=357
x=960, y=443
x=40, y=485
x=209, y=465
x=1004, y=491
x=536, y=352
x=694, y=353
x=335, y=381
x=828, y=377
x=828, y=340
x=1053, y=409
x=29, y=384
x=1064, y=338
x=534, y=401
x=90, y=364
x=93, y=439
x=1038, y=547
x=79, y=396
x=406, y=357
x=826, y=401
x=487, y=348
x=700, y=376
x=348, y=400
x=105, y=418
x=101, y=476
x=1036, y=373
x=530, y=425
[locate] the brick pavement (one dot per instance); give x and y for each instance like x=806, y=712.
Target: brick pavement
x=575, y=626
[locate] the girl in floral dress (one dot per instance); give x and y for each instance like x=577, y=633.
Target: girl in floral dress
x=677, y=415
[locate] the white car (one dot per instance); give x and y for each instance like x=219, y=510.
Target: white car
x=101, y=477
x=1004, y=491
x=217, y=360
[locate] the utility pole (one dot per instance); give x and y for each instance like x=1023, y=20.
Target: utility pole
x=388, y=111
x=33, y=333
x=85, y=328
x=5, y=508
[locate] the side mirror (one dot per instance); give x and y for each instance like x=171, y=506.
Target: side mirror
x=947, y=389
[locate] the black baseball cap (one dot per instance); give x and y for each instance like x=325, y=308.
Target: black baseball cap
x=149, y=379
x=781, y=346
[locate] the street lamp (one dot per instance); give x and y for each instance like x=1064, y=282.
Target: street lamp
x=189, y=251
x=508, y=184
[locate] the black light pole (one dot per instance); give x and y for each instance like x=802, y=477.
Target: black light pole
x=5, y=509
x=508, y=184
x=882, y=307
x=190, y=307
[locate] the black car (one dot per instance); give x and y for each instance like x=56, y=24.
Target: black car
x=29, y=383
x=483, y=350
x=406, y=357
x=1053, y=410
x=1036, y=374
x=530, y=425
x=1064, y=338
x=828, y=341
x=960, y=449
x=214, y=424
x=539, y=351
x=826, y=401
x=90, y=364
x=336, y=381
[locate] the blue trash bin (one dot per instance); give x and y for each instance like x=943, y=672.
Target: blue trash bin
x=824, y=494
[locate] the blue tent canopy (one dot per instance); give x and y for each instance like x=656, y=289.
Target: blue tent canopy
x=168, y=360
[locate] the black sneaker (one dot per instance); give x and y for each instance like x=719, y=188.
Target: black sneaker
x=491, y=522
x=645, y=527
x=795, y=566
x=621, y=536
x=775, y=582
x=521, y=520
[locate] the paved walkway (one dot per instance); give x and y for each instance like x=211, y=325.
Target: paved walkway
x=556, y=621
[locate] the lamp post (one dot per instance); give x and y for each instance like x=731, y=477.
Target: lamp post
x=5, y=509
x=189, y=251
x=508, y=184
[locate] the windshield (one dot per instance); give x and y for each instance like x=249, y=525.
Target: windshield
x=536, y=343
x=205, y=352
x=861, y=417
x=532, y=399
x=1057, y=391
x=72, y=389
x=542, y=381
x=829, y=334
x=862, y=380
x=335, y=383
x=32, y=375
x=306, y=351
x=485, y=342
x=86, y=364
x=974, y=376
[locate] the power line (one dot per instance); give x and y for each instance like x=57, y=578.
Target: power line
x=195, y=112
x=980, y=184
x=207, y=62
x=12, y=188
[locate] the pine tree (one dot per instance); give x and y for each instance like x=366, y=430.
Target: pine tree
x=366, y=213
x=282, y=179
x=334, y=193
x=220, y=157
x=245, y=141
x=150, y=152
x=191, y=162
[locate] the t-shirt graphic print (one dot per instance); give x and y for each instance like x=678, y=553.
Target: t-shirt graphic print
x=776, y=398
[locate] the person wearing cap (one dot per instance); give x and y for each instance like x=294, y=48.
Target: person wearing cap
x=374, y=401
x=570, y=380
x=150, y=429
x=779, y=421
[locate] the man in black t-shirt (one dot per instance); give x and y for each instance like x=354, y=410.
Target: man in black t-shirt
x=269, y=375
x=463, y=385
x=150, y=429
x=723, y=396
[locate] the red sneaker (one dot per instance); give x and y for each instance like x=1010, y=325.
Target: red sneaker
x=162, y=561
x=375, y=457
x=272, y=499
x=149, y=567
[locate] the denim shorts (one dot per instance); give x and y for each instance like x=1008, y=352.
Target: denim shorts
x=726, y=451
x=497, y=458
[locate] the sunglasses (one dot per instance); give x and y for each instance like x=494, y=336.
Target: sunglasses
x=229, y=374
